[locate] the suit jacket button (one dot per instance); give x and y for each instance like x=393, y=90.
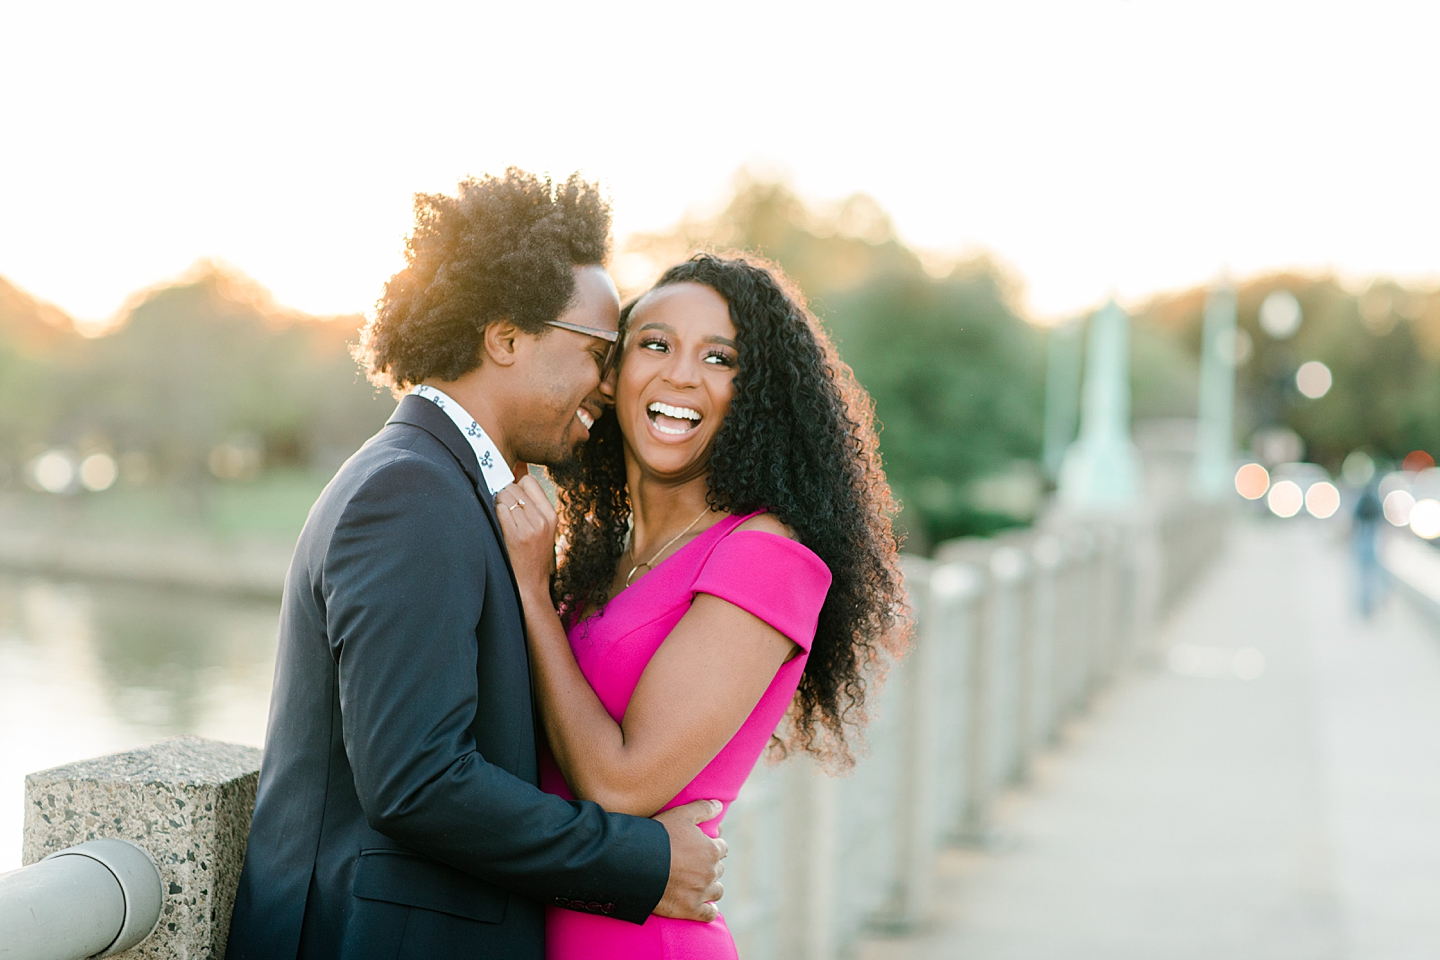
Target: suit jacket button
x=561, y=902
x=607, y=908
x=593, y=907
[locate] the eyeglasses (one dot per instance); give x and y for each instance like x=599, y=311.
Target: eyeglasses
x=611, y=337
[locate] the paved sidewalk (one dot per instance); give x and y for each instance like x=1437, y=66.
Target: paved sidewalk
x=1206, y=817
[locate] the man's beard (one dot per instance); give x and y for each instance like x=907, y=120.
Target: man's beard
x=555, y=457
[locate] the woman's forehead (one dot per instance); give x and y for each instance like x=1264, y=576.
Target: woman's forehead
x=691, y=304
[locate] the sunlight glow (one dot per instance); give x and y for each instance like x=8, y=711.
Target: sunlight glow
x=158, y=141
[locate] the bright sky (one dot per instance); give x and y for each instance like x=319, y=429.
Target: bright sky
x=1097, y=146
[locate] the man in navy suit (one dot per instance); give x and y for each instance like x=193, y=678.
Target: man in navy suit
x=398, y=813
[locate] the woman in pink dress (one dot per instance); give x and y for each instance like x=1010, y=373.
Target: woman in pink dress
x=728, y=562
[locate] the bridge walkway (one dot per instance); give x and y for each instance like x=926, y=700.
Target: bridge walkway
x=1200, y=816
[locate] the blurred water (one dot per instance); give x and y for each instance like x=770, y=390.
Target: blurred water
x=89, y=668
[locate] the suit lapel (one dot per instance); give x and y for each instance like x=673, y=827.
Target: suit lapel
x=419, y=412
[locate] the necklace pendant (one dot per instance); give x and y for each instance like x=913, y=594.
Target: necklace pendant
x=629, y=577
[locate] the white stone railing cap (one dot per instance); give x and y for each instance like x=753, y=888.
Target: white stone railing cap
x=187, y=759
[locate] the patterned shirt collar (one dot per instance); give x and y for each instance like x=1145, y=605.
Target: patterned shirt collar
x=497, y=475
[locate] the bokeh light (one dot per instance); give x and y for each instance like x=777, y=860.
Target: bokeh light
x=53, y=472
x=1425, y=519
x=1397, y=507
x=1280, y=315
x=1314, y=379
x=1251, y=481
x=1358, y=468
x=1322, y=500
x=1417, y=460
x=1285, y=499
x=98, y=472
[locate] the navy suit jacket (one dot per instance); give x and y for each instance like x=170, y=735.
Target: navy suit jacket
x=398, y=812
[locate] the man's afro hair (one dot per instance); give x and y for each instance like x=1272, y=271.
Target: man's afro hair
x=503, y=247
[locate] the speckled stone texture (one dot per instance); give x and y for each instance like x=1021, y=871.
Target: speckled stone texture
x=187, y=801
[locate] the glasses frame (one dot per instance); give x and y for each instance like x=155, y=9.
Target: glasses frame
x=611, y=337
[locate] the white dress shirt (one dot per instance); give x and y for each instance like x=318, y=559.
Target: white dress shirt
x=493, y=468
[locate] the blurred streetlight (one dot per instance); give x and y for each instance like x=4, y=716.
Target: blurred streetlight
x=1280, y=315
x=1322, y=500
x=1358, y=468
x=1313, y=379
x=1417, y=460
x=1285, y=499
x=1425, y=519
x=53, y=472
x=1397, y=507
x=1251, y=481
x=98, y=472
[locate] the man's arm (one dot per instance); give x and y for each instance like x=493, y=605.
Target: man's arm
x=403, y=586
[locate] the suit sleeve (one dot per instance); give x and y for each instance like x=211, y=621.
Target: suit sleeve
x=403, y=585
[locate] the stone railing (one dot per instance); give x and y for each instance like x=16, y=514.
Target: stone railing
x=186, y=802
x=1013, y=635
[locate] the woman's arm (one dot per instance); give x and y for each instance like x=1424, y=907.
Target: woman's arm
x=696, y=692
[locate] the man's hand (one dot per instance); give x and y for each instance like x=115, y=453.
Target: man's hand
x=695, y=863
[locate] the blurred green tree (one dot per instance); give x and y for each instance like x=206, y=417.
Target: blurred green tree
x=1382, y=346
x=191, y=366
x=956, y=375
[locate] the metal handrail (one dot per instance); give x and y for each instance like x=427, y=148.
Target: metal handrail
x=95, y=899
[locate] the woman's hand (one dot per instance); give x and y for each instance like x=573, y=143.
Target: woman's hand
x=528, y=521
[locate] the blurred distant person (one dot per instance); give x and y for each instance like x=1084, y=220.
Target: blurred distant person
x=728, y=561
x=1364, y=532
x=399, y=812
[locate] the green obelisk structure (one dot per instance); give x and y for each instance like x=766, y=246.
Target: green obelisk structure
x=1215, y=428
x=1102, y=467
x=1063, y=368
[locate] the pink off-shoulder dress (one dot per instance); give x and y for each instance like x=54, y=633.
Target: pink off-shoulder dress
x=772, y=577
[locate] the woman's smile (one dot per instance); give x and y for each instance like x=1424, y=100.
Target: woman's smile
x=673, y=420
x=676, y=377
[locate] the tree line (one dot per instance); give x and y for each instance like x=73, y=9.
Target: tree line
x=211, y=363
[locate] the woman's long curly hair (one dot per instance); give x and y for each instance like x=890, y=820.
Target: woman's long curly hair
x=799, y=440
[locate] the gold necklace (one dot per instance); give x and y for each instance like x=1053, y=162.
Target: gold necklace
x=647, y=564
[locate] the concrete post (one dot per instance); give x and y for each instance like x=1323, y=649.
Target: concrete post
x=975, y=824
x=1079, y=611
x=953, y=628
x=186, y=802
x=1048, y=554
x=915, y=831
x=1010, y=613
x=808, y=920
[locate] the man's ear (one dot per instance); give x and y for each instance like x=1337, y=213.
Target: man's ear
x=500, y=343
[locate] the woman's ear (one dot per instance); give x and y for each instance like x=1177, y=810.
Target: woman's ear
x=500, y=342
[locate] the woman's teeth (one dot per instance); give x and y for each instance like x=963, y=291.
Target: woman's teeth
x=584, y=417
x=675, y=421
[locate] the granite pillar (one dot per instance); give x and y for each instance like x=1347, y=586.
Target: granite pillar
x=186, y=801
